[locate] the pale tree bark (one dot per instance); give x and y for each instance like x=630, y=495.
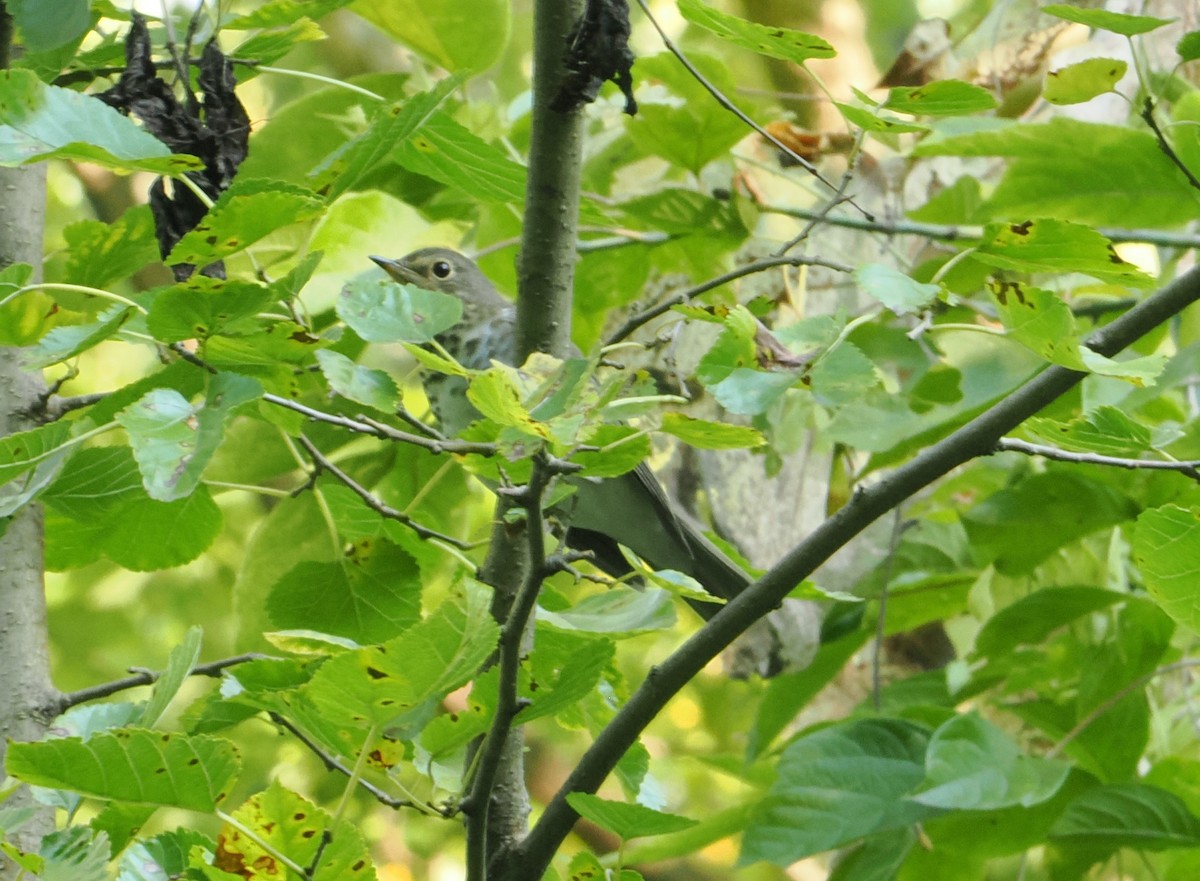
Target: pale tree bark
x=27, y=695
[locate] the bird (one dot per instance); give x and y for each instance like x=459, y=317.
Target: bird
x=631, y=509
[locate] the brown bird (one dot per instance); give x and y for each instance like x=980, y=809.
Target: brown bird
x=632, y=509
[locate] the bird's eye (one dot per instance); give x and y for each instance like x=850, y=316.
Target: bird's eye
x=442, y=269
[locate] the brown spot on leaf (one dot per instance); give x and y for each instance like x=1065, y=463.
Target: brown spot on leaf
x=1021, y=229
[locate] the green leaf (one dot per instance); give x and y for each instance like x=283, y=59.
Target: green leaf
x=972, y=765
x=95, y=482
x=1055, y=167
x=100, y=253
x=364, y=385
x=22, y=451
x=837, y=785
x=1128, y=815
x=1083, y=80
x=1050, y=245
x=38, y=454
x=1105, y=430
x=163, y=856
x=774, y=42
x=203, y=307
x=280, y=13
x=1188, y=46
x=280, y=821
x=1020, y=526
x=750, y=392
x=1031, y=619
x=245, y=213
x=149, y=535
x=48, y=24
x=38, y=121
x=1166, y=548
x=875, y=121
x=179, y=666
x=498, y=394
x=173, y=441
x=1040, y=320
x=894, y=289
x=464, y=36
x=131, y=764
x=68, y=340
x=268, y=46
x=401, y=683
x=619, y=612
x=705, y=435
x=382, y=311
x=391, y=126
x=77, y=852
x=940, y=98
x=570, y=681
x=370, y=595
x=711, y=129
x=626, y=820
x=682, y=212
x=1117, y=22
x=452, y=154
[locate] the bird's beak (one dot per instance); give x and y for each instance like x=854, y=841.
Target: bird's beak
x=397, y=270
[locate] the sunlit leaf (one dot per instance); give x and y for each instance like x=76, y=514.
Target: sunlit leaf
x=894, y=289
x=1083, y=80
x=775, y=42
x=38, y=121
x=462, y=36
x=626, y=820
x=707, y=435
x=1117, y=22
x=940, y=98
x=130, y=764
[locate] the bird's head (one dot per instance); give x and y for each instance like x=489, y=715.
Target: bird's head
x=440, y=269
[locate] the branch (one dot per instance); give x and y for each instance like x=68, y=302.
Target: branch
x=1189, y=468
x=512, y=637
x=148, y=677
x=950, y=233
x=333, y=763
x=978, y=437
x=381, y=508
x=366, y=425
x=682, y=297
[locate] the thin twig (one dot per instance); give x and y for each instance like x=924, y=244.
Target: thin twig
x=881, y=621
x=148, y=677
x=333, y=763
x=1165, y=145
x=377, y=505
x=1189, y=468
x=682, y=297
x=1114, y=699
x=952, y=233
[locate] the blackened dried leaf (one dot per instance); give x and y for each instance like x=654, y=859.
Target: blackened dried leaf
x=216, y=130
x=599, y=51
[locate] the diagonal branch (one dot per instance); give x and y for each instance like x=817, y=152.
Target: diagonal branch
x=977, y=438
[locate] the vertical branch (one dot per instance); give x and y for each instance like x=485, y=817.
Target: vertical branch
x=547, y=274
x=547, y=262
x=27, y=694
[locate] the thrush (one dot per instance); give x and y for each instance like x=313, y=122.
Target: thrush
x=632, y=509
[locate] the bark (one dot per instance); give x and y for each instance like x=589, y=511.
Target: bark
x=26, y=700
